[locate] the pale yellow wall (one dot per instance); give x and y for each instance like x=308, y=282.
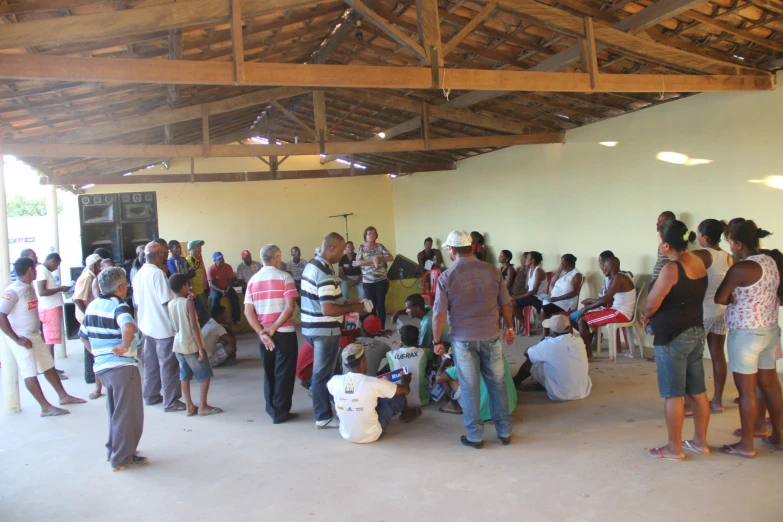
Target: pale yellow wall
x=231, y=217
x=583, y=198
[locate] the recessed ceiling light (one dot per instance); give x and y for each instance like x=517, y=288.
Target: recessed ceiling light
x=381, y=135
x=608, y=143
x=681, y=159
x=89, y=185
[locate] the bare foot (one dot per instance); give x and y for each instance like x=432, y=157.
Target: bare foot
x=758, y=435
x=192, y=410
x=53, y=411
x=701, y=449
x=716, y=406
x=70, y=399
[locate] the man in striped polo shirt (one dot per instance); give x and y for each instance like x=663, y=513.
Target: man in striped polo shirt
x=109, y=334
x=269, y=308
x=323, y=310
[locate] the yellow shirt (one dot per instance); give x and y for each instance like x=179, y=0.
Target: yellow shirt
x=197, y=283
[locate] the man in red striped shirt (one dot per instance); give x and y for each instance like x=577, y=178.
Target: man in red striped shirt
x=269, y=308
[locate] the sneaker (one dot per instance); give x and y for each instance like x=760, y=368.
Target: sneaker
x=505, y=440
x=466, y=442
x=133, y=462
x=334, y=422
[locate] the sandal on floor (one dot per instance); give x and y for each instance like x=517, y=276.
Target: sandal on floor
x=738, y=433
x=729, y=450
x=93, y=395
x=658, y=454
x=213, y=411
x=418, y=411
x=449, y=411
x=768, y=442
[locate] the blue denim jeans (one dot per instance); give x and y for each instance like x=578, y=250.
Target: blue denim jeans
x=325, y=353
x=476, y=359
x=680, y=365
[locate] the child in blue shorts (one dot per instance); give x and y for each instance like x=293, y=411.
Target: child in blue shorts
x=189, y=346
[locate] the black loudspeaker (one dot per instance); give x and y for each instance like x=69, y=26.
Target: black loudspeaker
x=71, y=324
x=403, y=268
x=118, y=222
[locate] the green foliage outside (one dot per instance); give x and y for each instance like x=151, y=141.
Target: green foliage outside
x=20, y=206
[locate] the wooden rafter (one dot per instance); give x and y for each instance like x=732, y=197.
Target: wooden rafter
x=388, y=28
x=468, y=28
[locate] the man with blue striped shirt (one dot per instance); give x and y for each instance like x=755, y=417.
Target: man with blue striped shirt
x=322, y=313
x=109, y=334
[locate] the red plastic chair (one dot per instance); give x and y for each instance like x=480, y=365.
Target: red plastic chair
x=429, y=283
x=526, y=310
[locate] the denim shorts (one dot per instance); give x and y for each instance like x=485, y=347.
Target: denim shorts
x=753, y=350
x=388, y=408
x=680, y=365
x=189, y=365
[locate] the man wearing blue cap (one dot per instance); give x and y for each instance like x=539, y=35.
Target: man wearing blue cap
x=221, y=279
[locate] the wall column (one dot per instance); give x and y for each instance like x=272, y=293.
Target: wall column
x=11, y=402
x=51, y=213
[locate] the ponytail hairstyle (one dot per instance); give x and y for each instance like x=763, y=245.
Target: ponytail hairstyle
x=570, y=259
x=536, y=257
x=676, y=233
x=508, y=255
x=713, y=229
x=747, y=233
x=733, y=222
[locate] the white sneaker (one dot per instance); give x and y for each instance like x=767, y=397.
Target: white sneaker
x=334, y=422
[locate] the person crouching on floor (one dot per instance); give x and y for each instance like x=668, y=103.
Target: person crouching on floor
x=558, y=363
x=365, y=405
x=189, y=346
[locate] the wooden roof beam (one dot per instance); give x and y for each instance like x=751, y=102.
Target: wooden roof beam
x=468, y=28
x=388, y=28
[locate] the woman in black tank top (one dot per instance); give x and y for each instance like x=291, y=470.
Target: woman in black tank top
x=674, y=310
x=507, y=269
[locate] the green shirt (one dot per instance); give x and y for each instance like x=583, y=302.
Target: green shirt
x=416, y=360
x=484, y=403
x=425, y=330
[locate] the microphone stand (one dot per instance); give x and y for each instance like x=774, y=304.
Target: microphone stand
x=344, y=216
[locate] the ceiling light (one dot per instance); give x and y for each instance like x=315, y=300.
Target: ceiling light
x=89, y=185
x=681, y=159
x=127, y=174
x=392, y=176
x=608, y=143
x=381, y=135
x=775, y=182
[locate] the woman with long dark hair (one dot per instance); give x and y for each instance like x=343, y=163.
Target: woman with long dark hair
x=717, y=263
x=752, y=290
x=372, y=257
x=674, y=310
x=507, y=269
x=477, y=245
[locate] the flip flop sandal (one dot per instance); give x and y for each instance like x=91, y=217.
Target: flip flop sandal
x=771, y=444
x=189, y=414
x=689, y=446
x=688, y=415
x=447, y=411
x=57, y=413
x=213, y=411
x=728, y=450
x=533, y=386
x=92, y=396
x=738, y=433
x=178, y=407
x=716, y=411
x=418, y=411
x=659, y=455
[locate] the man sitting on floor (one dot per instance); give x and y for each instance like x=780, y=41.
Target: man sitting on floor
x=447, y=375
x=219, y=342
x=620, y=292
x=375, y=350
x=365, y=405
x=416, y=359
x=558, y=363
x=416, y=307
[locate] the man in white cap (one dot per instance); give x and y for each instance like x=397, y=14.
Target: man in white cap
x=365, y=404
x=151, y=294
x=473, y=294
x=82, y=296
x=558, y=363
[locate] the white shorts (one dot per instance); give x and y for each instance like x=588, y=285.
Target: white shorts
x=34, y=361
x=537, y=373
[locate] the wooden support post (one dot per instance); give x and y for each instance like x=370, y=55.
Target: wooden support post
x=282, y=160
x=273, y=164
x=175, y=53
x=236, y=41
x=10, y=370
x=205, y=129
x=425, y=124
x=353, y=167
x=591, y=58
x=192, y=170
x=319, y=108
x=429, y=31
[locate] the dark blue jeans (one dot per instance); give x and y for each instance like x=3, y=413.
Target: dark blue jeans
x=232, y=296
x=325, y=352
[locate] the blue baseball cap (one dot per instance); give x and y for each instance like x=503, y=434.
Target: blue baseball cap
x=216, y=256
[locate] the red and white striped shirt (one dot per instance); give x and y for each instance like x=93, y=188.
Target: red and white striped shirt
x=268, y=291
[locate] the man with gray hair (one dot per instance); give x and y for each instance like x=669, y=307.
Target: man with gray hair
x=269, y=308
x=151, y=294
x=473, y=294
x=109, y=334
x=323, y=310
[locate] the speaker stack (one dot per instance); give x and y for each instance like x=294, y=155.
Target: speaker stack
x=118, y=223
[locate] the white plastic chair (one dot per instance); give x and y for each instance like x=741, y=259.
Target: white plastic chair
x=636, y=331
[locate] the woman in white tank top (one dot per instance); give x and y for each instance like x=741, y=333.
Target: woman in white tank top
x=717, y=263
x=534, y=288
x=564, y=290
x=751, y=289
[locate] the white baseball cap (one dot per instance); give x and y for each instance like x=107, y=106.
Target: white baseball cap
x=458, y=238
x=557, y=323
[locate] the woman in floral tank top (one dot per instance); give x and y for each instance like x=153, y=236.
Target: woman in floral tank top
x=751, y=290
x=372, y=257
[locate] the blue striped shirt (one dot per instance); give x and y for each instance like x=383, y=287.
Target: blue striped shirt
x=102, y=326
x=319, y=285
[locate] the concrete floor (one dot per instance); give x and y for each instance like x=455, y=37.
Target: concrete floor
x=574, y=461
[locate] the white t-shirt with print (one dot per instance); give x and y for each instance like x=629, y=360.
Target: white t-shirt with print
x=151, y=292
x=47, y=302
x=211, y=333
x=20, y=304
x=356, y=397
